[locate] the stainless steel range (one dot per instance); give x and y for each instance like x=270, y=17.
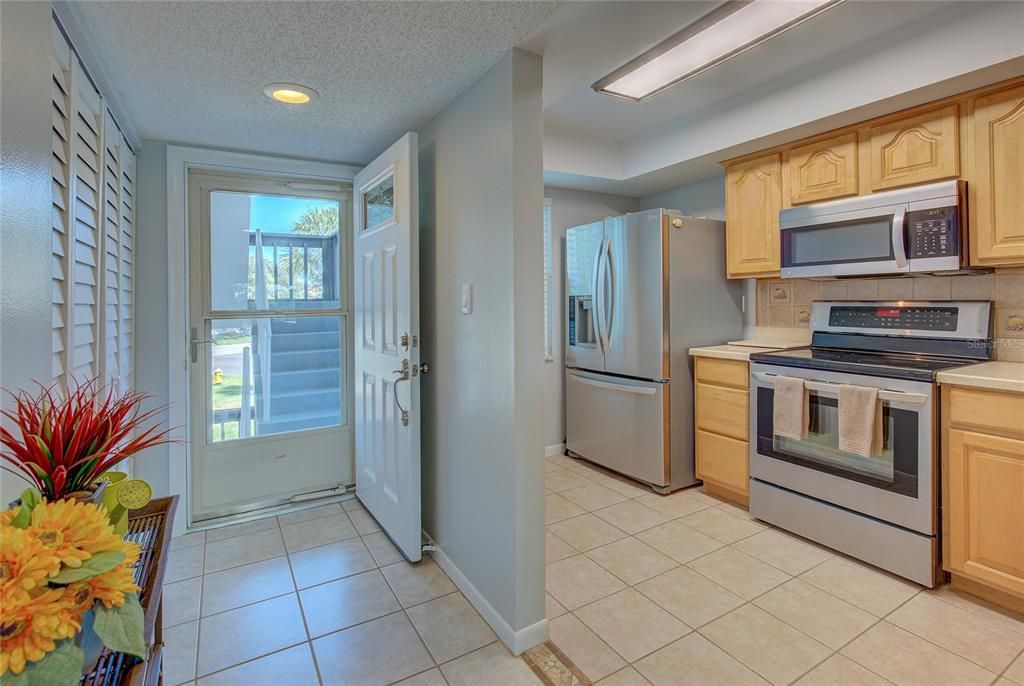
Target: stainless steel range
x=882, y=509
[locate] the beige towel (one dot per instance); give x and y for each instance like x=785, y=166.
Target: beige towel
x=789, y=409
x=860, y=420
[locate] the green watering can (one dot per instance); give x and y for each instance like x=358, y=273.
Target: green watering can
x=123, y=494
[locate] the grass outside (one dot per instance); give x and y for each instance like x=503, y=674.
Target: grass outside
x=230, y=338
x=228, y=395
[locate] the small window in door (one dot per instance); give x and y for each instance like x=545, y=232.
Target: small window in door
x=379, y=203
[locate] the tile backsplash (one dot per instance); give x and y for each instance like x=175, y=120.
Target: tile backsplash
x=787, y=302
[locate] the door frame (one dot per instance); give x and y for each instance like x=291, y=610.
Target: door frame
x=180, y=160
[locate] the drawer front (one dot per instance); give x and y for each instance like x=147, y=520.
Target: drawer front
x=723, y=461
x=722, y=372
x=722, y=411
x=1001, y=413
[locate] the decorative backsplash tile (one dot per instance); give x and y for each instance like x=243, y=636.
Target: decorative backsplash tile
x=779, y=292
x=1009, y=322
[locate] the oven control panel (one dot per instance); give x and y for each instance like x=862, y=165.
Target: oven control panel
x=921, y=318
x=932, y=233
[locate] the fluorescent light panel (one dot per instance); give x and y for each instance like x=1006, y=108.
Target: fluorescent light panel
x=727, y=31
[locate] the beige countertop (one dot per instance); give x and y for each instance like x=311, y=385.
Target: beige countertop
x=732, y=352
x=996, y=376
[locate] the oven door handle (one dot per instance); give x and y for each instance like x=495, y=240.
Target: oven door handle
x=833, y=388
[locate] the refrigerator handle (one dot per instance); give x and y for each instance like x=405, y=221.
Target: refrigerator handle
x=608, y=288
x=596, y=295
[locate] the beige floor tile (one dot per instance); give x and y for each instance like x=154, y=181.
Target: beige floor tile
x=631, y=560
x=578, y=580
x=552, y=608
x=317, y=532
x=743, y=575
x=584, y=648
x=631, y=624
x=700, y=495
x=903, y=658
x=1003, y=681
x=330, y=562
x=490, y=665
x=181, y=601
x=631, y=516
x=236, y=636
x=373, y=654
x=243, y=550
x=975, y=605
x=188, y=540
x=179, y=660
x=841, y=671
x=431, y=677
x=822, y=616
x=674, y=505
x=382, y=549
x=309, y=513
x=417, y=583
x=350, y=504
x=991, y=646
x=247, y=584
x=363, y=522
x=593, y=496
x=346, y=602
x=739, y=511
x=866, y=588
x=556, y=549
x=550, y=466
x=291, y=666
x=769, y=646
x=566, y=462
x=586, y=532
x=557, y=508
x=690, y=596
x=184, y=563
x=695, y=661
x=721, y=525
x=225, y=532
x=1015, y=672
x=562, y=480
x=625, y=677
x=450, y=627
x=679, y=541
x=625, y=486
x=783, y=551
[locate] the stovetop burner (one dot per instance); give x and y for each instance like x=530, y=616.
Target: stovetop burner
x=897, y=366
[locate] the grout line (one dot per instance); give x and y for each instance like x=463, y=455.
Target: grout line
x=302, y=613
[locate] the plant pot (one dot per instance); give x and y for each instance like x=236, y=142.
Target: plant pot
x=89, y=642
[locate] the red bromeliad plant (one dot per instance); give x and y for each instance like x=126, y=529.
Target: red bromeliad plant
x=67, y=440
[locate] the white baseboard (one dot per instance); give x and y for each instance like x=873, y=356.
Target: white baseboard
x=515, y=641
x=557, y=449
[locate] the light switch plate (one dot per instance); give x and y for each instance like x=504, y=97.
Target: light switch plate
x=467, y=298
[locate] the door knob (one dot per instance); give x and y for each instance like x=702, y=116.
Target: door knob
x=424, y=368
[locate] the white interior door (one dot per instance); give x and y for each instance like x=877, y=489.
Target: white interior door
x=387, y=349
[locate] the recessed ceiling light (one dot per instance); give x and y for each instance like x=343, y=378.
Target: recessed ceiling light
x=290, y=93
x=728, y=30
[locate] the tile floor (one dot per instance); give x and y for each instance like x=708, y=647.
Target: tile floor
x=689, y=589
x=320, y=597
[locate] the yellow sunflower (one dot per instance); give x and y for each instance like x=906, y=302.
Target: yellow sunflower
x=78, y=598
x=73, y=531
x=25, y=563
x=29, y=632
x=110, y=587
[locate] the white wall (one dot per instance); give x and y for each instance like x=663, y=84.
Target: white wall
x=481, y=204
x=229, y=249
x=701, y=199
x=25, y=203
x=569, y=208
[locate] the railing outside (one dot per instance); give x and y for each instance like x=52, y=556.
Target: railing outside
x=303, y=266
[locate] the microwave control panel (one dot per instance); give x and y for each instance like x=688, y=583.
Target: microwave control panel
x=933, y=233
x=921, y=318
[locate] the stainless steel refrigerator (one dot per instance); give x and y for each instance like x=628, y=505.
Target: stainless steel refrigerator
x=641, y=290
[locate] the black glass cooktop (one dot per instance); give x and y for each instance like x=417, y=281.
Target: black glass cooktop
x=896, y=366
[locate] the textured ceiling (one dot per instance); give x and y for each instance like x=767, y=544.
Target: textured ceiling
x=193, y=72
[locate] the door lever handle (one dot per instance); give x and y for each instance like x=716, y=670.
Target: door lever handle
x=194, y=345
x=403, y=376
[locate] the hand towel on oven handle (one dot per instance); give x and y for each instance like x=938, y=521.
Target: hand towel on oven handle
x=790, y=408
x=860, y=420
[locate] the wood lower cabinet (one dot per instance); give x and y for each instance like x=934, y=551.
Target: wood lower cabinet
x=918, y=149
x=720, y=417
x=753, y=199
x=996, y=178
x=983, y=492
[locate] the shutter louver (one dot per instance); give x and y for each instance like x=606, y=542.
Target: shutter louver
x=126, y=314
x=61, y=198
x=111, y=252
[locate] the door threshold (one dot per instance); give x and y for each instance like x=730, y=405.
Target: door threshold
x=267, y=512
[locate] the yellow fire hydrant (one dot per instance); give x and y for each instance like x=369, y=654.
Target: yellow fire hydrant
x=218, y=376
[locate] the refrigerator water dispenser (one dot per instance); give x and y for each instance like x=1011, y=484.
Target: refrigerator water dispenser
x=581, y=321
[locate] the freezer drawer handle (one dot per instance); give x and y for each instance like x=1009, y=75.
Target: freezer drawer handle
x=639, y=390
x=832, y=387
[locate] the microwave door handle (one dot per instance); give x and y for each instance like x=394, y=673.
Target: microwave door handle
x=899, y=247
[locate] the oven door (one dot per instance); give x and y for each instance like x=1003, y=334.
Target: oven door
x=866, y=241
x=897, y=486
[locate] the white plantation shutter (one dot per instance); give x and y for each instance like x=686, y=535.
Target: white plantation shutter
x=126, y=270
x=111, y=286
x=61, y=194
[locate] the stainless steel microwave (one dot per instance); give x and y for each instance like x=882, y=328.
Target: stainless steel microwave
x=916, y=229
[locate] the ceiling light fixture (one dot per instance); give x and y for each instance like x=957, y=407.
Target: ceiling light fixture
x=290, y=93
x=728, y=30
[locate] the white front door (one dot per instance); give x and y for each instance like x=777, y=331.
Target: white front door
x=387, y=344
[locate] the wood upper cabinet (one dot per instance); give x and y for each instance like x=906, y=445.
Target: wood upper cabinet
x=822, y=170
x=753, y=199
x=996, y=178
x=918, y=149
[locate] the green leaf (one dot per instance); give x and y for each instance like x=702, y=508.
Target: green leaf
x=60, y=667
x=30, y=498
x=121, y=628
x=94, y=566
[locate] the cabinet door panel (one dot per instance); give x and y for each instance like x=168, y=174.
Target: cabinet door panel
x=723, y=461
x=722, y=410
x=823, y=170
x=996, y=179
x=753, y=200
x=918, y=149
x=986, y=518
